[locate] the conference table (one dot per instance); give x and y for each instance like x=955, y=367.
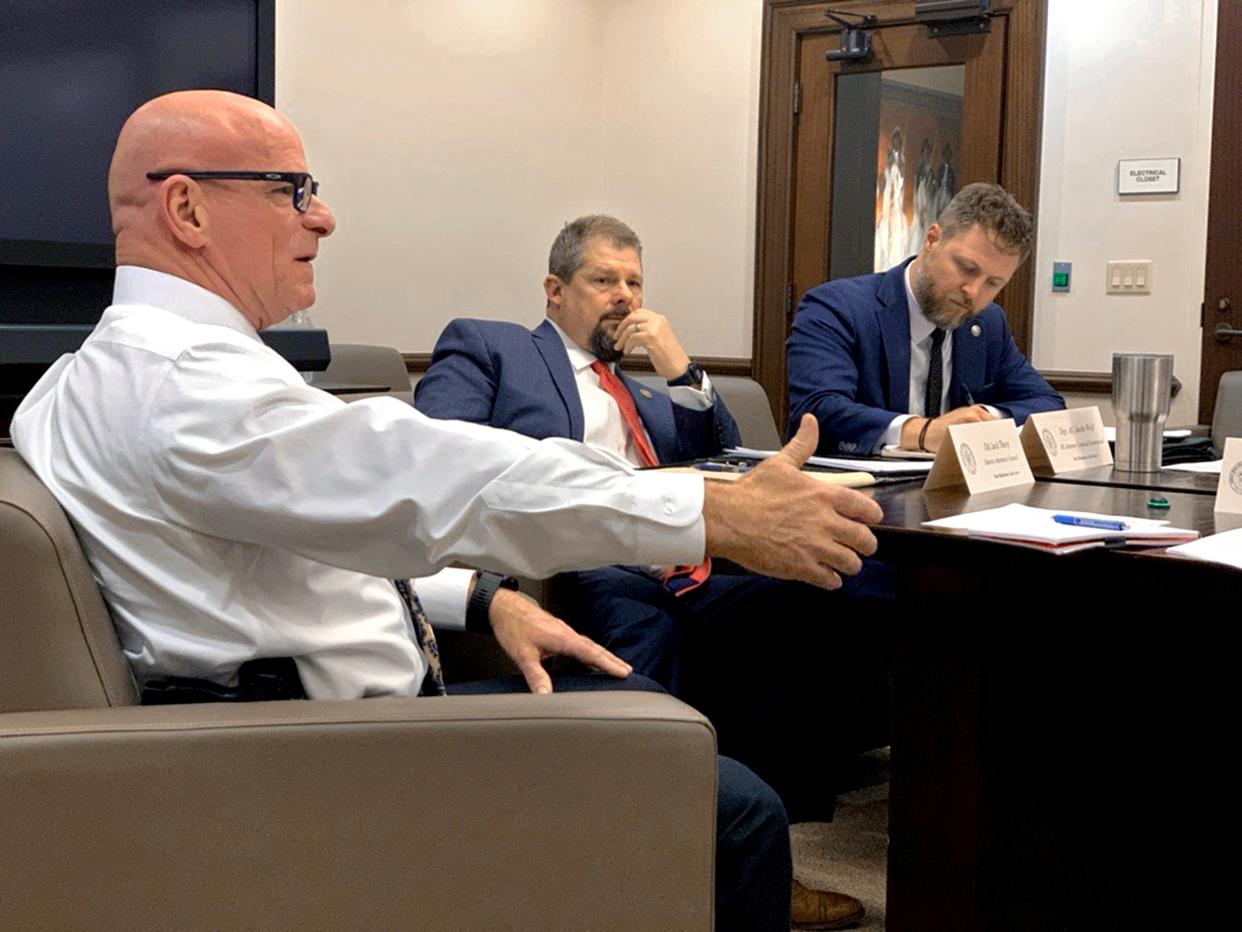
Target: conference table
x=1051, y=713
x=1167, y=480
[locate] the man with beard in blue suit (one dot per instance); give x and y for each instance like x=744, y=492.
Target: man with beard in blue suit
x=765, y=659
x=868, y=356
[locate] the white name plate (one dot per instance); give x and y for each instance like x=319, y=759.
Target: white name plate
x=983, y=456
x=1149, y=176
x=1062, y=441
x=1229, y=492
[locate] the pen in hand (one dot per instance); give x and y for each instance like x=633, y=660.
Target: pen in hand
x=1102, y=524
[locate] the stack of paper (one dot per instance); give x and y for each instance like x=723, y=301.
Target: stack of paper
x=890, y=451
x=1225, y=547
x=1210, y=468
x=1177, y=433
x=875, y=466
x=1039, y=528
x=852, y=480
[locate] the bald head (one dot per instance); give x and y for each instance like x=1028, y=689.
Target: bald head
x=188, y=129
x=235, y=238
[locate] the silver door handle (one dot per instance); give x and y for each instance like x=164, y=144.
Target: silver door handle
x=1224, y=333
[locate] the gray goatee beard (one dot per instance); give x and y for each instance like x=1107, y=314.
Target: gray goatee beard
x=602, y=345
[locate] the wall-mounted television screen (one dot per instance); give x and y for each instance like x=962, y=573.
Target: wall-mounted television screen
x=71, y=71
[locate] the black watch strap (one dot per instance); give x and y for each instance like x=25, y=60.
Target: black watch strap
x=693, y=376
x=486, y=586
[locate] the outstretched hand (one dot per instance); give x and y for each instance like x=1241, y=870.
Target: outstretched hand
x=529, y=635
x=777, y=521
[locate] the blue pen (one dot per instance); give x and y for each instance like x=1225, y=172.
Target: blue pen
x=1098, y=523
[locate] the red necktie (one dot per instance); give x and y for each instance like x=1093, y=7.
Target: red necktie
x=680, y=579
x=609, y=382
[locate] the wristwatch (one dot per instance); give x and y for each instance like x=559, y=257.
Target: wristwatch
x=486, y=585
x=693, y=376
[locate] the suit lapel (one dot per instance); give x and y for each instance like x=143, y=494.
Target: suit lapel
x=969, y=363
x=549, y=344
x=894, y=320
x=656, y=413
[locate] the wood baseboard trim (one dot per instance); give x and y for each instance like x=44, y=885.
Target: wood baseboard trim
x=713, y=365
x=1090, y=383
x=1093, y=383
x=416, y=362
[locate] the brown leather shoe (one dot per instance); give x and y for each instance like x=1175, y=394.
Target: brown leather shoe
x=822, y=909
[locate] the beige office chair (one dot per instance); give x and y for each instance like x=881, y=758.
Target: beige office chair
x=364, y=364
x=747, y=402
x=1227, y=416
x=587, y=810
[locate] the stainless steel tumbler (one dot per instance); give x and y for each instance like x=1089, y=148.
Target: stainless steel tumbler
x=1141, y=393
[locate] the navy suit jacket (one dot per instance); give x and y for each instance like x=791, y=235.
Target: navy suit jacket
x=849, y=362
x=499, y=373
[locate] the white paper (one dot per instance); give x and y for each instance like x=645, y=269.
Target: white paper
x=875, y=466
x=1225, y=547
x=1212, y=468
x=897, y=453
x=1110, y=434
x=1024, y=523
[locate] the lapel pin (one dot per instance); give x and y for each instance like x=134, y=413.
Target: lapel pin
x=645, y=392
x=975, y=330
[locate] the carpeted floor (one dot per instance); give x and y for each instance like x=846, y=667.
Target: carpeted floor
x=849, y=854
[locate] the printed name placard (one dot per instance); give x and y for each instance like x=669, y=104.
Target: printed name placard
x=983, y=456
x=1062, y=441
x=1229, y=491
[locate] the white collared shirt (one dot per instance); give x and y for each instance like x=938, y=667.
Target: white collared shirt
x=602, y=424
x=921, y=330
x=231, y=511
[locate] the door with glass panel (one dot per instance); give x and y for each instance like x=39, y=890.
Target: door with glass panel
x=872, y=147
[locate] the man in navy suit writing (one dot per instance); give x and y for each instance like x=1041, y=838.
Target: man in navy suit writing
x=896, y=358
x=762, y=657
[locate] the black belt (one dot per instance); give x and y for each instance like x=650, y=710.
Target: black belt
x=264, y=680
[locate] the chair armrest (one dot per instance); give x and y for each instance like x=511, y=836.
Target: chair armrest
x=574, y=810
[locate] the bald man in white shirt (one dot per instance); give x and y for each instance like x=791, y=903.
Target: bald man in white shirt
x=232, y=513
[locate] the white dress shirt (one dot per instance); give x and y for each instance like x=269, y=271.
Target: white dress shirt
x=921, y=330
x=920, y=358
x=231, y=511
x=602, y=424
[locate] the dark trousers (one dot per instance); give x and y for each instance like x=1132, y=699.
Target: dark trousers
x=777, y=666
x=754, y=867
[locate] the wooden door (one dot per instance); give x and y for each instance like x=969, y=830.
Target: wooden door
x=837, y=138
x=1222, y=285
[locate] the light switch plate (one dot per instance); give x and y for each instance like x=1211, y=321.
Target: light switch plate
x=1128, y=276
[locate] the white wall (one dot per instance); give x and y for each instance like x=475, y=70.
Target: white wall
x=1124, y=79
x=453, y=139
x=681, y=120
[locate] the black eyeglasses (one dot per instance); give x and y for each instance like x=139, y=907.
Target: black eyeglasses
x=304, y=186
